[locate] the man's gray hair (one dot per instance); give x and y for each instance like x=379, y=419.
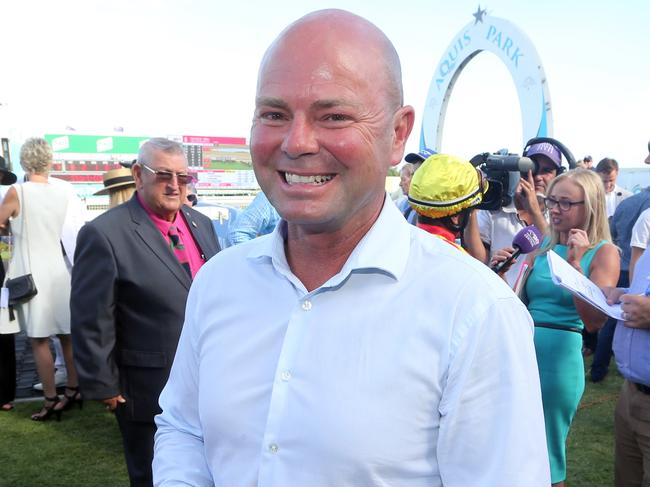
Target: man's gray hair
x=158, y=144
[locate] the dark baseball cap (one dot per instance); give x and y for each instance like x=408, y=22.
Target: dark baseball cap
x=420, y=156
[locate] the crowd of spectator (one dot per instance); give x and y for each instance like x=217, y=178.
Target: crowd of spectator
x=346, y=345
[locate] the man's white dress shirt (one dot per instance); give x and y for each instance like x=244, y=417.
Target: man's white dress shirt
x=413, y=366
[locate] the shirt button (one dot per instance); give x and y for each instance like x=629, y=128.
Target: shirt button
x=285, y=375
x=306, y=305
x=273, y=448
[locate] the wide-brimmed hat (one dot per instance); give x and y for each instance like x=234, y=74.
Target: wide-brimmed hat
x=8, y=177
x=445, y=185
x=116, y=178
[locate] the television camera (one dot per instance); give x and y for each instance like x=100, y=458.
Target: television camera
x=503, y=171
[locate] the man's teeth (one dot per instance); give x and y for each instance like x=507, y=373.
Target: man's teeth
x=297, y=179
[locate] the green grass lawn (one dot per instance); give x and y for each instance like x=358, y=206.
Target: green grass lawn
x=590, y=454
x=85, y=449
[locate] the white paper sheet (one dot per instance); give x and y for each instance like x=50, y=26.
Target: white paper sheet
x=577, y=284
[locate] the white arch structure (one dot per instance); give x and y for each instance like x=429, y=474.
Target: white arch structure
x=516, y=51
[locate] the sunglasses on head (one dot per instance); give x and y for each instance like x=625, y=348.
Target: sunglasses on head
x=182, y=178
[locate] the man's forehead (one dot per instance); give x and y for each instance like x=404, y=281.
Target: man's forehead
x=322, y=62
x=162, y=158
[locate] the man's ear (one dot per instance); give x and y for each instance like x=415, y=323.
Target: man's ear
x=136, y=170
x=402, y=125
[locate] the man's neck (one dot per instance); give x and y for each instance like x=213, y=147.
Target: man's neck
x=316, y=256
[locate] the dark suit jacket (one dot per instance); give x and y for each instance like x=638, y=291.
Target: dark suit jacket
x=128, y=305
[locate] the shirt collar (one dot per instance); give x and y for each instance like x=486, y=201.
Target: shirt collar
x=384, y=248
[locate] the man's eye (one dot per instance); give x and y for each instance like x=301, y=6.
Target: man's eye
x=337, y=117
x=272, y=116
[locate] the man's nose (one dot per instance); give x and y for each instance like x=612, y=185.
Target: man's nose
x=173, y=182
x=300, y=138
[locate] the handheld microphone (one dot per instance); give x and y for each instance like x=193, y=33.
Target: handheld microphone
x=526, y=241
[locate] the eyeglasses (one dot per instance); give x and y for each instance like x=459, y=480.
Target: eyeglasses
x=565, y=205
x=167, y=176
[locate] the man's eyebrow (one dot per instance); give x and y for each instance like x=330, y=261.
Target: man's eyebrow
x=272, y=102
x=331, y=103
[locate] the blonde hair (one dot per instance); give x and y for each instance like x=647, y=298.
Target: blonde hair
x=120, y=195
x=596, y=224
x=36, y=156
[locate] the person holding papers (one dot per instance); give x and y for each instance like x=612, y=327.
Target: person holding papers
x=631, y=345
x=579, y=233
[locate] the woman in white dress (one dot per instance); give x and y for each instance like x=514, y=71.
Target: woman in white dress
x=36, y=210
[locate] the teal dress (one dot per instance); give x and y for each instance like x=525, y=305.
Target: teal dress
x=559, y=353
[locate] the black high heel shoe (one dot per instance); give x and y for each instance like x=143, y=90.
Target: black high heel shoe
x=48, y=410
x=69, y=401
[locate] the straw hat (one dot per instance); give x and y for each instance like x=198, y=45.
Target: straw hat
x=116, y=178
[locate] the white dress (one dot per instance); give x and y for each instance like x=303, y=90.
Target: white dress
x=37, y=249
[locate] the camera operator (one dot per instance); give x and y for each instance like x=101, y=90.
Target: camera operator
x=498, y=227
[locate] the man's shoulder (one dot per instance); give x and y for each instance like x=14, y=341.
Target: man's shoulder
x=622, y=192
x=111, y=216
x=237, y=260
x=637, y=198
x=636, y=202
x=507, y=213
x=197, y=215
x=453, y=267
x=644, y=218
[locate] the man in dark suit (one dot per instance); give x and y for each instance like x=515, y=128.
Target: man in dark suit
x=133, y=269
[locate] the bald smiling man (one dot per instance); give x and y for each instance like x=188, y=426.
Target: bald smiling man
x=346, y=348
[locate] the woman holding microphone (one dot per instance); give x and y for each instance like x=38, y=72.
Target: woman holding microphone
x=579, y=233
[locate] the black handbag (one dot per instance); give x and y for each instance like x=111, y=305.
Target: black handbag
x=21, y=289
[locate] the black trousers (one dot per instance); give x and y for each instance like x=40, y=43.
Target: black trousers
x=7, y=368
x=137, y=438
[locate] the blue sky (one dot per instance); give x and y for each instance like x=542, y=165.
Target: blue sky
x=189, y=67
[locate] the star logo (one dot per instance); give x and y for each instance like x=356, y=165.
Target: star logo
x=478, y=15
